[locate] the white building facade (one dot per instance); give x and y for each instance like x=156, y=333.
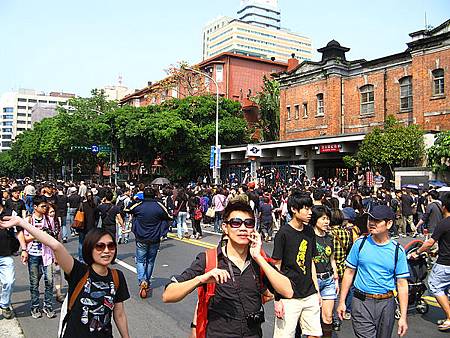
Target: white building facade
x=16, y=110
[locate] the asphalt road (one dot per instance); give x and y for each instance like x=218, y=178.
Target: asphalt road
x=152, y=318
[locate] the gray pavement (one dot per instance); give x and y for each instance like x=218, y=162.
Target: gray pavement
x=151, y=317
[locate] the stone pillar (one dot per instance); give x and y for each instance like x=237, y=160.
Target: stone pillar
x=310, y=168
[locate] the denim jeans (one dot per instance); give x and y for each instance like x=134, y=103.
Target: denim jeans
x=70, y=216
x=218, y=221
x=181, y=224
x=7, y=278
x=29, y=204
x=145, y=260
x=64, y=229
x=36, y=269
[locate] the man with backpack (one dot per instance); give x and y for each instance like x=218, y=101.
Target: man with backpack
x=232, y=280
x=433, y=213
x=378, y=266
x=110, y=214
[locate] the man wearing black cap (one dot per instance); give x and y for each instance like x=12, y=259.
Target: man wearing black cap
x=379, y=266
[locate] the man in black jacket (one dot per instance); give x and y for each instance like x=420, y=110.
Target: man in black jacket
x=149, y=224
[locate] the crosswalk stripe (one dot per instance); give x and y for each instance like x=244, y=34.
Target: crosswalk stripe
x=193, y=241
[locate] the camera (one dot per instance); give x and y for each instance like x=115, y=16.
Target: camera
x=256, y=318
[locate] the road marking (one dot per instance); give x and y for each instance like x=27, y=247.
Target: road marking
x=126, y=265
x=193, y=241
x=431, y=301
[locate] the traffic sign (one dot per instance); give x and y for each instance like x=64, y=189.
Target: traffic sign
x=211, y=157
x=94, y=149
x=104, y=148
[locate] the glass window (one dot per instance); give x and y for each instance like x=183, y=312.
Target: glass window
x=8, y=110
x=7, y=130
x=32, y=101
x=22, y=107
x=297, y=111
x=7, y=123
x=288, y=112
x=21, y=99
x=219, y=73
x=438, y=81
x=406, y=98
x=21, y=122
x=8, y=117
x=320, y=110
x=43, y=101
x=52, y=102
x=305, y=110
x=367, y=99
x=6, y=144
x=20, y=129
x=6, y=136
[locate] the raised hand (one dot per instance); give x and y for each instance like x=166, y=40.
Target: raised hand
x=215, y=276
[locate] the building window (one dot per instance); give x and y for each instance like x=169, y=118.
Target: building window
x=288, y=114
x=219, y=73
x=21, y=122
x=8, y=110
x=6, y=144
x=367, y=100
x=6, y=136
x=6, y=130
x=320, y=111
x=21, y=99
x=32, y=101
x=297, y=111
x=305, y=110
x=8, y=117
x=438, y=81
x=7, y=123
x=406, y=99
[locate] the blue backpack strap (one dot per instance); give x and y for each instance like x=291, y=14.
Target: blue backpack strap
x=397, y=248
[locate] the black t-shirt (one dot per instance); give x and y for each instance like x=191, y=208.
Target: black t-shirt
x=296, y=249
x=442, y=236
x=92, y=312
x=74, y=200
x=18, y=206
x=61, y=205
x=407, y=202
x=108, y=212
x=325, y=249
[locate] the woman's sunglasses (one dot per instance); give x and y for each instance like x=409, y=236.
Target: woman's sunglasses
x=101, y=246
x=237, y=222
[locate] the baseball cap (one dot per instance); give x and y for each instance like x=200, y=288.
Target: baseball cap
x=349, y=213
x=381, y=212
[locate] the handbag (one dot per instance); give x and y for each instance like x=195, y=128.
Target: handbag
x=78, y=221
x=210, y=212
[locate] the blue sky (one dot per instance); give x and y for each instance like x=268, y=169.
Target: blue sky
x=74, y=46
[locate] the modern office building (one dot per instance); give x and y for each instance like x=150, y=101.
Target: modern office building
x=257, y=32
x=264, y=13
x=17, y=109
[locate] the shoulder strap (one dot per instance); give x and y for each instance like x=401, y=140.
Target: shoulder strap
x=397, y=248
x=362, y=243
x=77, y=291
x=115, y=277
x=205, y=292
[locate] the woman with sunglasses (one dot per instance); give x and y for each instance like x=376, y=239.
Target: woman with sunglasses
x=236, y=307
x=100, y=299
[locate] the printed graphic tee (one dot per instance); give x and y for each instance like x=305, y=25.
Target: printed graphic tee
x=92, y=312
x=325, y=250
x=296, y=249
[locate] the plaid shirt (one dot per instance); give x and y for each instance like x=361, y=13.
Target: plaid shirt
x=341, y=242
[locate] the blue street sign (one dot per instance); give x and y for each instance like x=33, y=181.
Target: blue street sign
x=94, y=149
x=218, y=158
x=211, y=157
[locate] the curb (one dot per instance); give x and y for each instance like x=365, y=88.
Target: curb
x=11, y=328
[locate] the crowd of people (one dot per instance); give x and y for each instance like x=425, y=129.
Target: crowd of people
x=334, y=252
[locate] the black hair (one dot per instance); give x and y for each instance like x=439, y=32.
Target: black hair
x=434, y=194
x=237, y=206
x=244, y=187
x=109, y=196
x=298, y=200
x=317, y=212
x=38, y=199
x=318, y=194
x=337, y=217
x=149, y=193
x=91, y=239
x=445, y=199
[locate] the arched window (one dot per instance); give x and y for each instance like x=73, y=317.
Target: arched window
x=320, y=109
x=367, y=99
x=438, y=81
x=406, y=98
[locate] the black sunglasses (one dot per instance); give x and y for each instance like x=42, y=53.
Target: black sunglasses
x=237, y=222
x=100, y=246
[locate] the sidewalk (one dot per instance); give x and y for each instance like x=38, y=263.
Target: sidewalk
x=10, y=328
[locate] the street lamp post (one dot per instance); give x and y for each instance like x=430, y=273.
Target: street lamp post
x=216, y=151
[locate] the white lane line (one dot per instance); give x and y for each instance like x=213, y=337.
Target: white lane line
x=126, y=265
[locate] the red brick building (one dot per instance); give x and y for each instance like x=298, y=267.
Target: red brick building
x=327, y=107
x=337, y=97
x=238, y=77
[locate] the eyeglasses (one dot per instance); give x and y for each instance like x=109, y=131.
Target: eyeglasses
x=237, y=222
x=100, y=246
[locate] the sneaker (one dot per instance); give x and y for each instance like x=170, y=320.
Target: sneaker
x=49, y=312
x=394, y=237
x=336, y=326
x=143, y=290
x=347, y=316
x=65, y=240
x=199, y=237
x=36, y=313
x=8, y=312
x=193, y=237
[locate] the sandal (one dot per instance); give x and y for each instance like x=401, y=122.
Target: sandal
x=444, y=326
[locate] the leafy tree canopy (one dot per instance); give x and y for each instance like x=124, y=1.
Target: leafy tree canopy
x=439, y=153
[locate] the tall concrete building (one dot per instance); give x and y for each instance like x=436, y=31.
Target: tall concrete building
x=257, y=32
x=17, y=109
x=264, y=13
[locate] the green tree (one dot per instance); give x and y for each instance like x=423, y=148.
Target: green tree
x=439, y=153
x=394, y=145
x=268, y=101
